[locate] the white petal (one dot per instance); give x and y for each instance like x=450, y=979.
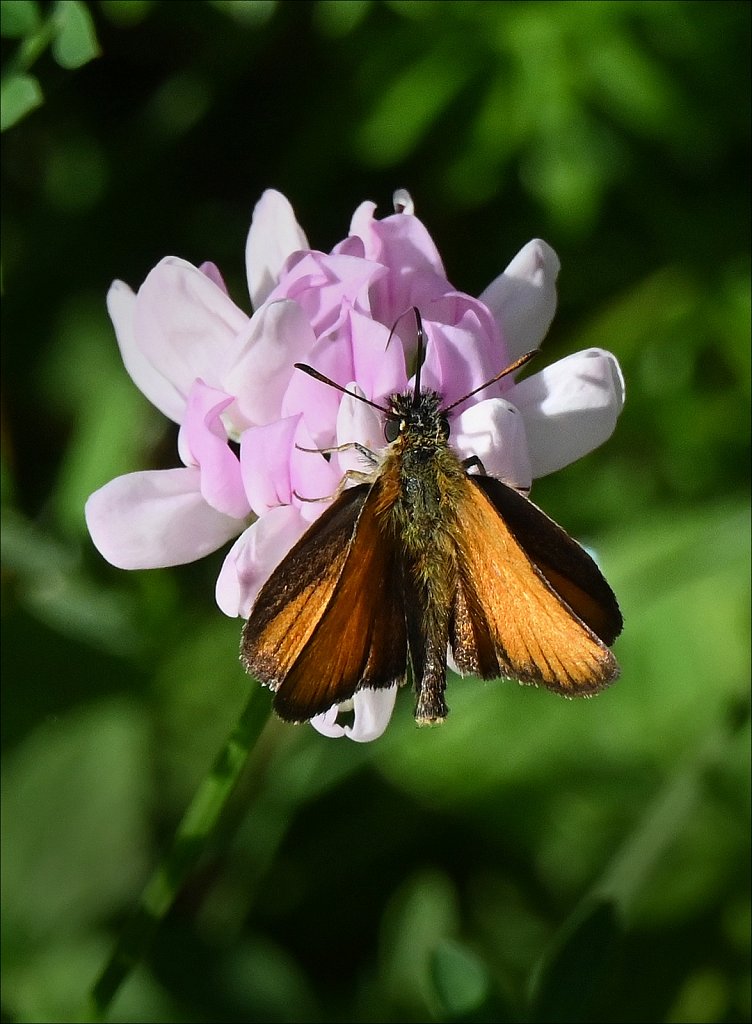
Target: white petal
x=358, y=422
x=274, y=235
x=403, y=201
x=154, y=519
x=372, y=712
x=326, y=724
x=161, y=392
x=570, y=408
x=523, y=298
x=494, y=431
x=185, y=324
x=253, y=557
x=277, y=336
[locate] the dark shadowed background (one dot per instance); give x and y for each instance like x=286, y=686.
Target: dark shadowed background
x=534, y=859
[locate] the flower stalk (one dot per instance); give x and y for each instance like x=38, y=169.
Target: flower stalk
x=192, y=839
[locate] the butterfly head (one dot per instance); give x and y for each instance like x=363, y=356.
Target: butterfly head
x=417, y=416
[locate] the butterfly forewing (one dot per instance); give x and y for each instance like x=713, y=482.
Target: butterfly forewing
x=569, y=569
x=290, y=604
x=351, y=631
x=508, y=619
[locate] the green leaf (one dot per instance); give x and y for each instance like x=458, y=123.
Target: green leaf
x=460, y=978
x=19, y=18
x=75, y=43
x=19, y=95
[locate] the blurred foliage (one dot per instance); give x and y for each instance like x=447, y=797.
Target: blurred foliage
x=534, y=859
x=69, y=31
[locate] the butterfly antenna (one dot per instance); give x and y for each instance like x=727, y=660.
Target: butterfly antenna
x=507, y=369
x=333, y=384
x=420, y=354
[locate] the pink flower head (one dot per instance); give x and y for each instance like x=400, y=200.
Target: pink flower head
x=226, y=377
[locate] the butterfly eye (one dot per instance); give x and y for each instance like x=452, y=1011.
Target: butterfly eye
x=392, y=429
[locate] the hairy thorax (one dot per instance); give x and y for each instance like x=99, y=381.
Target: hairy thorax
x=420, y=484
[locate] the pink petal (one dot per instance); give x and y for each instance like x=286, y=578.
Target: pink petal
x=265, y=463
x=393, y=296
x=322, y=285
x=361, y=224
x=185, y=324
x=570, y=408
x=462, y=354
x=378, y=362
x=276, y=471
x=314, y=480
x=350, y=246
x=253, y=557
x=277, y=336
x=162, y=393
x=204, y=436
x=400, y=241
x=372, y=713
x=317, y=401
x=211, y=270
x=523, y=298
x=274, y=235
x=154, y=519
x=401, y=244
x=494, y=431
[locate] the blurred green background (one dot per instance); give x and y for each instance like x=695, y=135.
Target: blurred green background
x=534, y=859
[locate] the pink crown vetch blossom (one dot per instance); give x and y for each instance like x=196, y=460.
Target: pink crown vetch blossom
x=226, y=377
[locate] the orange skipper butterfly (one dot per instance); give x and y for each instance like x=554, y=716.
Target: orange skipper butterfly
x=419, y=558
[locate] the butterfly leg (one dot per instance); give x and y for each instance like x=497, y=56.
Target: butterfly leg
x=473, y=462
x=360, y=448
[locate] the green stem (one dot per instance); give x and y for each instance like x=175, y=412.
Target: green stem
x=191, y=840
